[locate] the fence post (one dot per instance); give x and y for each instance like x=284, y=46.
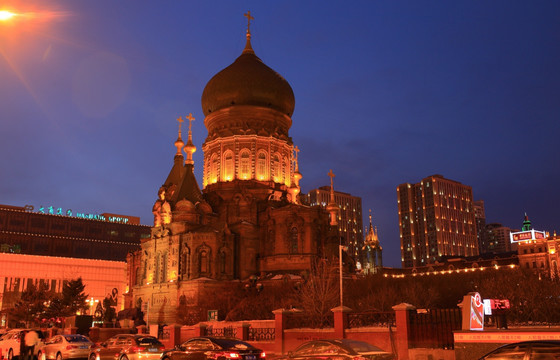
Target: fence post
x=174, y=332
x=402, y=319
x=280, y=319
x=340, y=320
x=200, y=329
x=243, y=331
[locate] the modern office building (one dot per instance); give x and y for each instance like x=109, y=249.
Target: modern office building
x=436, y=218
x=64, y=233
x=47, y=246
x=350, y=222
x=101, y=278
x=497, y=239
x=480, y=220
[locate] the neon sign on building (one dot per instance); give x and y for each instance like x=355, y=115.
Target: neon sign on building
x=59, y=211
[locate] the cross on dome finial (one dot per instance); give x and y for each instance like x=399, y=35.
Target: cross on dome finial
x=249, y=18
x=331, y=175
x=191, y=119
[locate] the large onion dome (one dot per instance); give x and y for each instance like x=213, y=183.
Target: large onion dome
x=248, y=81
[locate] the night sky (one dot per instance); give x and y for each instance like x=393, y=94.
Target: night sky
x=387, y=92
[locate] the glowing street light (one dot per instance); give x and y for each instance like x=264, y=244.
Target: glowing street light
x=6, y=15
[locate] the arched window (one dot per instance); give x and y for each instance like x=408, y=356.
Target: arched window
x=213, y=176
x=228, y=166
x=276, y=169
x=185, y=263
x=244, y=165
x=164, y=267
x=203, y=265
x=138, y=276
x=261, y=166
x=270, y=245
x=294, y=240
x=157, y=271
x=222, y=262
x=286, y=171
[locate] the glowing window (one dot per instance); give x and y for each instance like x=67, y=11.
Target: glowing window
x=261, y=166
x=228, y=166
x=244, y=165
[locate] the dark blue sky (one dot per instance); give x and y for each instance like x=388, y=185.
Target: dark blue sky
x=386, y=92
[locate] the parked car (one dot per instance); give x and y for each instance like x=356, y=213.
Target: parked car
x=339, y=349
x=214, y=348
x=61, y=347
x=127, y=347
x=526, y=350
x=10, y=342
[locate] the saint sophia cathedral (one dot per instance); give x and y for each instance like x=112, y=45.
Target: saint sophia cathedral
x=248, y=220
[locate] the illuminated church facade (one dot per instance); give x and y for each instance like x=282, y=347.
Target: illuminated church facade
x=248, y=219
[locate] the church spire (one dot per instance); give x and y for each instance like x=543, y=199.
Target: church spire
x=526, y=224
x=179, y=142
x=332, y=207
x=248, y=48
x=189, y=148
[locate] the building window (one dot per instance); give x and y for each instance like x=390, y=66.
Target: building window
x=261, y=166
x=203, y=262
x=222, y=262
x=164, y=267
x=228, y=166
x=294, y=240
x=213, y=178
x=276, y=169
x=244, y=165
x=286, y=171
x=184, y=263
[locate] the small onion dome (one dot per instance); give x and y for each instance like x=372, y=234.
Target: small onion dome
x=204, y=207
x=248, y=81
x=184, y=206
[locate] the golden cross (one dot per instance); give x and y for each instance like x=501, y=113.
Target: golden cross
x=331, y=175
x=191, y=119
x=296, y=149
x=180, y=120
x=249, y=18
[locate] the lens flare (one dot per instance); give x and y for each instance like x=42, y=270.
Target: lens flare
x=6, y=15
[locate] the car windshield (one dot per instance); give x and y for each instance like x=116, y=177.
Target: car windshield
x=233, y=344
x=360, y=346
x=76, y=338
x=148, y=341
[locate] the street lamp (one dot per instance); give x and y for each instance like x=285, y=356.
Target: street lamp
x=6, y=15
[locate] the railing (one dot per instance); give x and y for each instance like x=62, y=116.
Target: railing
x=261, y=334
x=434, y=328
x=371, y=318
x=228, y=331
x=300, y=320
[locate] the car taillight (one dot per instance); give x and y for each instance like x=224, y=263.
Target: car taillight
x=233, y=355
x=263, y=355
x=136, y=349
x=70, y=347
x=359, y=358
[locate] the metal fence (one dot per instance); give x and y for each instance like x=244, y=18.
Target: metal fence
x=261, y=334
x=228, y=331
x=434, y=328
x=371, y=318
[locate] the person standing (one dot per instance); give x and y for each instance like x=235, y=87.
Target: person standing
x=31, y=340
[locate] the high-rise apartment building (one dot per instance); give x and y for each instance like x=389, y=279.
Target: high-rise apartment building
x=497, y=239
x=436, y=218
x=480, y=220
x=349, y=217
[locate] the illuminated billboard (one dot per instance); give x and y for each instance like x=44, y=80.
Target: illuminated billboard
x=526, y=235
